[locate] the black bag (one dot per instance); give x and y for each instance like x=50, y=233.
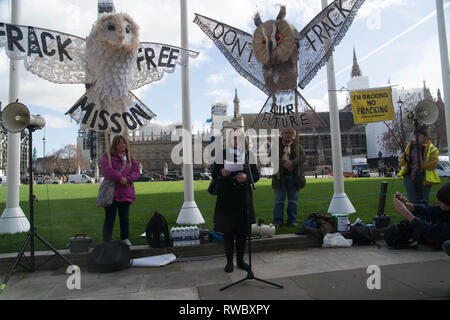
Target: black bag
x=156, y=227
x=109, y=257
x=361, y=235
x=398, y=235
x=213, y=187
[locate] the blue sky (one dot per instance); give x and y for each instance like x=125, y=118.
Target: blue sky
x=394, y=39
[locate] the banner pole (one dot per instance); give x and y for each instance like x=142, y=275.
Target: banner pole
x=13, y=220
x=340, y=204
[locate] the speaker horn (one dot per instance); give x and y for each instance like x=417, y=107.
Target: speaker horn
x=16, y=117
x=427, y=112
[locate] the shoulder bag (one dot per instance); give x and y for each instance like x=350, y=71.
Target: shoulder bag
x=105, y=195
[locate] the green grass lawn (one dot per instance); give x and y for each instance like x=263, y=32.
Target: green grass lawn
x=63, y=211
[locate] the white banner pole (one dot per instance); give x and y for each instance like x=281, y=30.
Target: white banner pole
x=189, y=214
x=340, y=204
x=444, y=64
x=13, y=220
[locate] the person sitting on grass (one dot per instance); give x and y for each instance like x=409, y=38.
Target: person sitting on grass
x=430, y=222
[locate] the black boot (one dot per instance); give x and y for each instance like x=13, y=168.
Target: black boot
x=228, y=245
x=240, y=250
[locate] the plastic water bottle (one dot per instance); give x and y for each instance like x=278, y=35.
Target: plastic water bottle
x=176, y=237
x=182, y=236
x=191, y=236
x=197, y=236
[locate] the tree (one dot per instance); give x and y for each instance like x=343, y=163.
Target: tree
x=400, y=130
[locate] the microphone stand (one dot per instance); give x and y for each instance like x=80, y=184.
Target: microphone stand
x=250, y=274
x=32, y=233
x=419, y=177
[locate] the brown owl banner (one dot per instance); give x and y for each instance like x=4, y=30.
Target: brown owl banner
x=295, y=57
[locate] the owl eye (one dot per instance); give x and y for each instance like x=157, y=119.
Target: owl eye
x=263, y=43
x=279, y=37
x=128, y=29
x=111, y=27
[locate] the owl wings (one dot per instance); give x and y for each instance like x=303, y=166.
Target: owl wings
x=314, y=44
x=62, y=58
x=112, y=63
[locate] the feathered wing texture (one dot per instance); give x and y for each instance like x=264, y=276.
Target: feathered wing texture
x=236, y=46
x=154, y=60
x=314, y=51
x=55, y=56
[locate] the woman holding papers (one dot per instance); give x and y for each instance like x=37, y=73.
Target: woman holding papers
x=234, y=204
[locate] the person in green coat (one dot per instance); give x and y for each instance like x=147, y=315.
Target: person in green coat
x=288, y=179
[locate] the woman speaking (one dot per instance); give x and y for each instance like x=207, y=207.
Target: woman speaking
x=234, y=204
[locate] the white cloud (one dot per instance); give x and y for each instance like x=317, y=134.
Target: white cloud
x=56, y=122
x=216, y=78
x=221, y=95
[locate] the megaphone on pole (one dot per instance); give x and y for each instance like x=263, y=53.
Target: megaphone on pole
x=425, y=112
x=16, y=117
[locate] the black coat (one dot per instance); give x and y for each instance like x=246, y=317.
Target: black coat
x=234, y=199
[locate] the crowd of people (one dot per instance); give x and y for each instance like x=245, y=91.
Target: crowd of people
x=236, y=172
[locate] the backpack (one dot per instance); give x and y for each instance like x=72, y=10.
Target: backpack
x=398, y=235
x=109, y=257
x=361, y=235
x=156, y=227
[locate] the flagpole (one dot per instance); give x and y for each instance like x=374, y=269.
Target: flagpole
x=340, y=204
x=444, y=64
x=189, y=213
x=13, y=220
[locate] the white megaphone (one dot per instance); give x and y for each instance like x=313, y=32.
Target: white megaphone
x=16, y=117
x=426, y=112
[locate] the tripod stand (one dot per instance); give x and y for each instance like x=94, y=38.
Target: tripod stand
x=32, y=233
x=250, y=274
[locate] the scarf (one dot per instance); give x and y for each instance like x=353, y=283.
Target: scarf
x=287, y=150
x=415, y=161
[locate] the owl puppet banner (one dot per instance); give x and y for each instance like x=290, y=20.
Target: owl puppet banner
x=111, y=61
x=277, y=56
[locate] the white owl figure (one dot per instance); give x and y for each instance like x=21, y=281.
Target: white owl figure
x=111, y=51
x=111, y=60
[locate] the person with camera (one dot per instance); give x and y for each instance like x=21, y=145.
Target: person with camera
x=234, y=212
x=428, y=162
x=124, y=175
x=288, y=180
x=429, y=222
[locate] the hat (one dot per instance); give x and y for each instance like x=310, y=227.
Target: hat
x=443, y=194
x=421, y=128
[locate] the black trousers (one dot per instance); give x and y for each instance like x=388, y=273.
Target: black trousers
x=238, y=234
x=110, y=217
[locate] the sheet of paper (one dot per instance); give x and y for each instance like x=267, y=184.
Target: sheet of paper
x=233, y=166
x=155, y=261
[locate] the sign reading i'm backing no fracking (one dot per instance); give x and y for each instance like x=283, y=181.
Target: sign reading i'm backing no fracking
x=372, y=105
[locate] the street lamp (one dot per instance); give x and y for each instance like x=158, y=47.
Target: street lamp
x=402, y=132
x=43, y=162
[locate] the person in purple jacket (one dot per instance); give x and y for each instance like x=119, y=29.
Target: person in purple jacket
x=124, y=194
x=432, y=222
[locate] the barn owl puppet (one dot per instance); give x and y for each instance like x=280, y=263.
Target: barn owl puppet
x=111, y=61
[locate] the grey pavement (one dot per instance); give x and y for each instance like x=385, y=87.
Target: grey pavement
x=305, y=274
